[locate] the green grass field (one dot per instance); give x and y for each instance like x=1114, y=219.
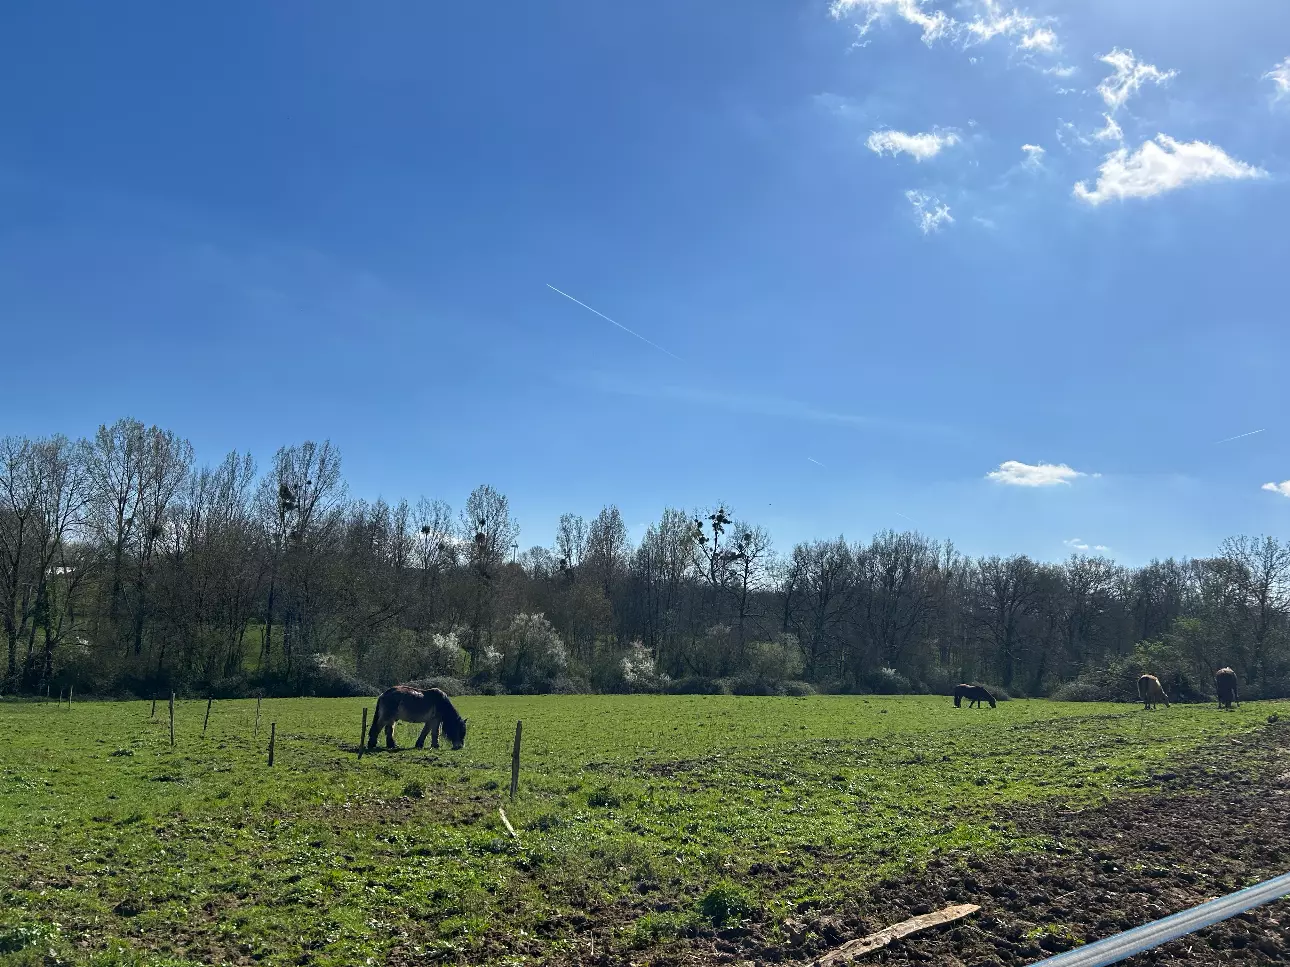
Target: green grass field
x=641, y=819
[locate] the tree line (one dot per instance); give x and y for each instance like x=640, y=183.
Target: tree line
x=126, y=568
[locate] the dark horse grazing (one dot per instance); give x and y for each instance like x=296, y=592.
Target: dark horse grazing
x=1151, y=693
x=976, y=694
x=402, y=703
x=1225, y=682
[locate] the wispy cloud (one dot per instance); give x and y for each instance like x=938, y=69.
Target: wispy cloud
x=618, y=324
x=1280, y=76
x=1068, y=135
x=918, y=146
x=1061, y=70
x=933, y=23
x=929, y=211
x=1111, y=132
x=1018, y=474
x=1076, y=544
x=1042, y=39
x=994, y=21
x=1239, y=436
x=1034, y=156
x=1128, y=74
x=991, y=20
x=1282, y=488
x=1162, y=165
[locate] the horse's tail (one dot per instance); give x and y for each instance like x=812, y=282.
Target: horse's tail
x=959, y=692
x=1225, y=681
x=1142, y=687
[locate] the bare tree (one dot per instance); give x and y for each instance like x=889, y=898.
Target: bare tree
x=488, y=531
x=434, y=551
x=571, y=543
x=747, y=575
x=116, y=467
x=607, y=548
x=1007, y=587
x=1261, y=570
x=823, y=580
x=166, y=463
x=300, y=505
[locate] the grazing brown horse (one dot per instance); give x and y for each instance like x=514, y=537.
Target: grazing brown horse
x=1151, y=693
x=402, y=703
x=976, y=694
x=1225, y=683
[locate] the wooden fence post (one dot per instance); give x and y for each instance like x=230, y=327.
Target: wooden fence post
x=153, y=713
x=256, y=733
x=273, y=735
x=69, y=694
x=515, y=760
x=172, y=719
x=207, y=720
x=362, y=736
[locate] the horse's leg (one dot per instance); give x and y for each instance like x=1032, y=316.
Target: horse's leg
x=389, y=734
x=375, y=730
x=434, y=735
x=421, y=739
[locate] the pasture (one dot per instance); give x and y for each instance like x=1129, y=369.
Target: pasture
x=642, y=821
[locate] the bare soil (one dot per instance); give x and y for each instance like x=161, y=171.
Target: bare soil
x=1218, y=823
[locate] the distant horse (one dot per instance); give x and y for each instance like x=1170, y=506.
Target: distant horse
x=1151, y=693
x=403, y=703
x=976, y=694
x=1225, y=683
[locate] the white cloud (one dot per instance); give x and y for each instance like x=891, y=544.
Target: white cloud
x=1034, y=156
x=992, y=21
x=929, y=211
x=985, y=222
x=1159, y=166
x=1282, y=488
x=1112, y=131
x=1076, y=544
x=1042, y=39
x=1128, y=77
x=934, y=25
x=919, y=146
x=1020, y=474
x=1280, y=76
x=1061, y=70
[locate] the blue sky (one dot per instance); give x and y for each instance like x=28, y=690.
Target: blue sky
x=257, y=224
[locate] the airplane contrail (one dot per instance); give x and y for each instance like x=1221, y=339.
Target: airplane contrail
x=1239, y=435
x=618, y=324
x=910, y=519
x=816, y=462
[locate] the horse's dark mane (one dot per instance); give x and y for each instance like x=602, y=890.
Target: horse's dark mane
x=453, y=723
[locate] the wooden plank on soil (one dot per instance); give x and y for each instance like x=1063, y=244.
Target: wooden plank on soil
x=507, y=823
x=876, y=941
